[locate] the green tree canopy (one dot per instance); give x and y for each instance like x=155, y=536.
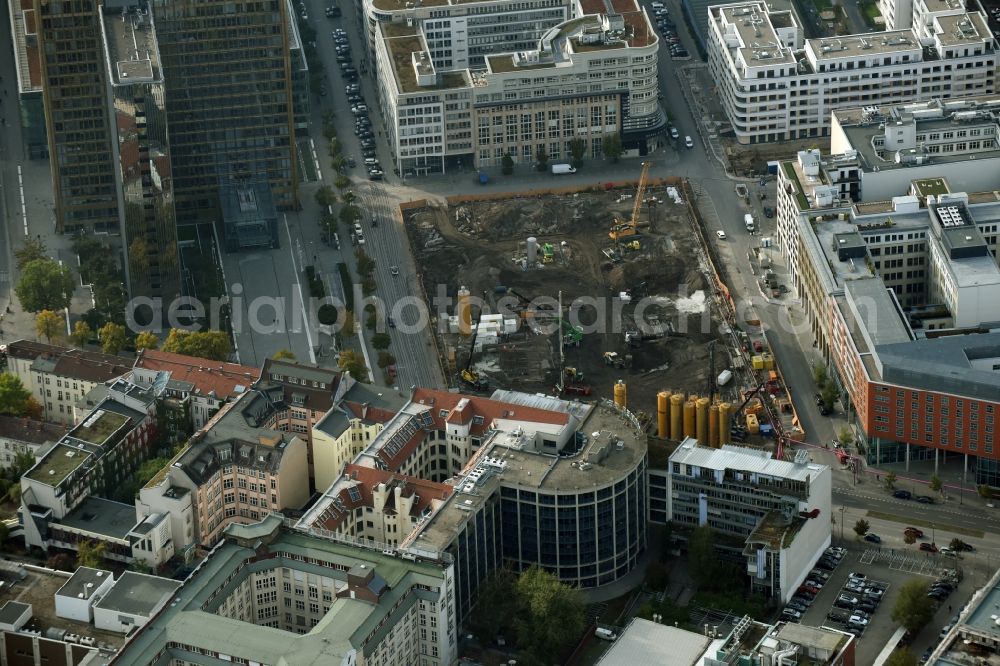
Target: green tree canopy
x=861, y=527
x=82, y=333
x=507, y=164
x=936, y=485
x=91, y=554
x=913, y=608
x=14, y=398
x=284, y=354
x=611, y=146
x=550, y=615
x=577, y=150
x=33, y=248
x=213, y=345
x=381, y=341
x=44, y=285
x=146, y=340
x=890, y=480
x=351, y=361
x=902, y=657
x=542, y=158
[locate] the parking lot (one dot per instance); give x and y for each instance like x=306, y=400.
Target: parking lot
x=887, y=571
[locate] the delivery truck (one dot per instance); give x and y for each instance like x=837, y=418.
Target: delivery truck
x=559, y=169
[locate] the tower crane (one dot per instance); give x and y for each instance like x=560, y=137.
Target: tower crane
x=624, y=228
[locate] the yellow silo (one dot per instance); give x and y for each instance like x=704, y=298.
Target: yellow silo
x=701, y=420
x=464, y=312
x=621, y=394
x=725, y=413
x=662, y=414
x=689, y=421
x=713, y=426
x=677, y=416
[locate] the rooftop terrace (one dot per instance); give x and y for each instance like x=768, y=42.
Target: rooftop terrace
x=98, y=427
x=131, y=47
x=401, y=42
x=61, y=461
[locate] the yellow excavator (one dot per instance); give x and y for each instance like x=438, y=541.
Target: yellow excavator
x=622, y=229
x=473, y=379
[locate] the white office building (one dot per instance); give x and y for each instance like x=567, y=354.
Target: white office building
x=520, y=90
x=780, y=508
x=776, y=85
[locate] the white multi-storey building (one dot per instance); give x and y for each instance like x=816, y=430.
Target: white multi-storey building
x=514, y=91
x=775, y=85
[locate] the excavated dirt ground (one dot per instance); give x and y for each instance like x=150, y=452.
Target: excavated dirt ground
x=481, y=246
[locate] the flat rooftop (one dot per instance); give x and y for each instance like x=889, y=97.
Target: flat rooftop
x=130, y=45
x=137, y=593
x=945, y=364
x=959, y=29
x=751, y=23
x=645, y=643
x=98, y=427
x=878, y=310
x=102, y=516
x=26, y=55
x=401, y=42
x=774, y=531
x=743, y=459
x=870, y=44
x=60, y=462
x=83, y=581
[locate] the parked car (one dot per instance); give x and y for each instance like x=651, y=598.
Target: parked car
x=721, y=234
x=808, y=589
x=857, y=575
x=845, y=601
x=858, y=621
x=873, y=538
x=949, y=552
x=867, y=605
x=925, y=499
x=928, y=547
x=826, y=565
x=903, y=494
x=837, y=615
x=791, y=614
x=819, y=574
x=797, y=606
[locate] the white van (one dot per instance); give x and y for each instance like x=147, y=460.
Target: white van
x=657, y=5
x=748, y=222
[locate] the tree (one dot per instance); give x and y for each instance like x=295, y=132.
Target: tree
x=138, y=254
x=385, y=359
x=47, y=324
x=213, y=345
x=348, y=327
x=350, y=361
x=861, y=527
x=577, y=150
x=33, y=248
x=342, y=182
x=985, y=491
x=496, y=607
x=90, y=554
x=82, y=333
x=146, y=340
x=913, y=608
x=902, y=657
x=829, y=394
x=819, y=375
x=14, y=397
x=706, y=568
x=349, y=214
x=935, y=484
x=957, y=545
x=381, y=341
x=542, y=158
x=325, y=196
x=909, y=538
x=890, y=480
x=113, y=337
x=284, y=354
x=507, y=164
x=845, y=436
x=366, y=265
x=611, y=146
x=542, y=598
x=44, y=285
x=60, y=562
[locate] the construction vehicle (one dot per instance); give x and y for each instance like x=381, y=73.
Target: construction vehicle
x=622, y=229
x=548, y=253
x=737, y=431
x=571, y=335
x=472, y=378
x=572, y=383
x=617, y=360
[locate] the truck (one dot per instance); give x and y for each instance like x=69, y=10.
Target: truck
x=748, y=222
x=559, y=169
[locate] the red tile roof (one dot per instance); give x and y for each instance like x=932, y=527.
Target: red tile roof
x=368, y=412
x=29, y=430
x=490, y=410
x=367, y=478
x=205, y=375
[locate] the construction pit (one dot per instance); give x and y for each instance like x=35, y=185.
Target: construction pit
x=658, y=293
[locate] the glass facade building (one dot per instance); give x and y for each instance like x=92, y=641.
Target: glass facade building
x=230, y=102
x=74, y=85
x=137, y=105
x=587, y=538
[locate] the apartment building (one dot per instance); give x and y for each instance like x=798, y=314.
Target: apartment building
x=195, y=386
x=77, y=123
x=267, y=592
x=889, y=283
x=519, y=478
x=23, y=436
x=590, y=76
x=233, y=471
x=60, y=377
x=776, y=85
x=781, y=509
x=234, y=119
x=136, y=99
x=28, y=68
x=65, y=497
